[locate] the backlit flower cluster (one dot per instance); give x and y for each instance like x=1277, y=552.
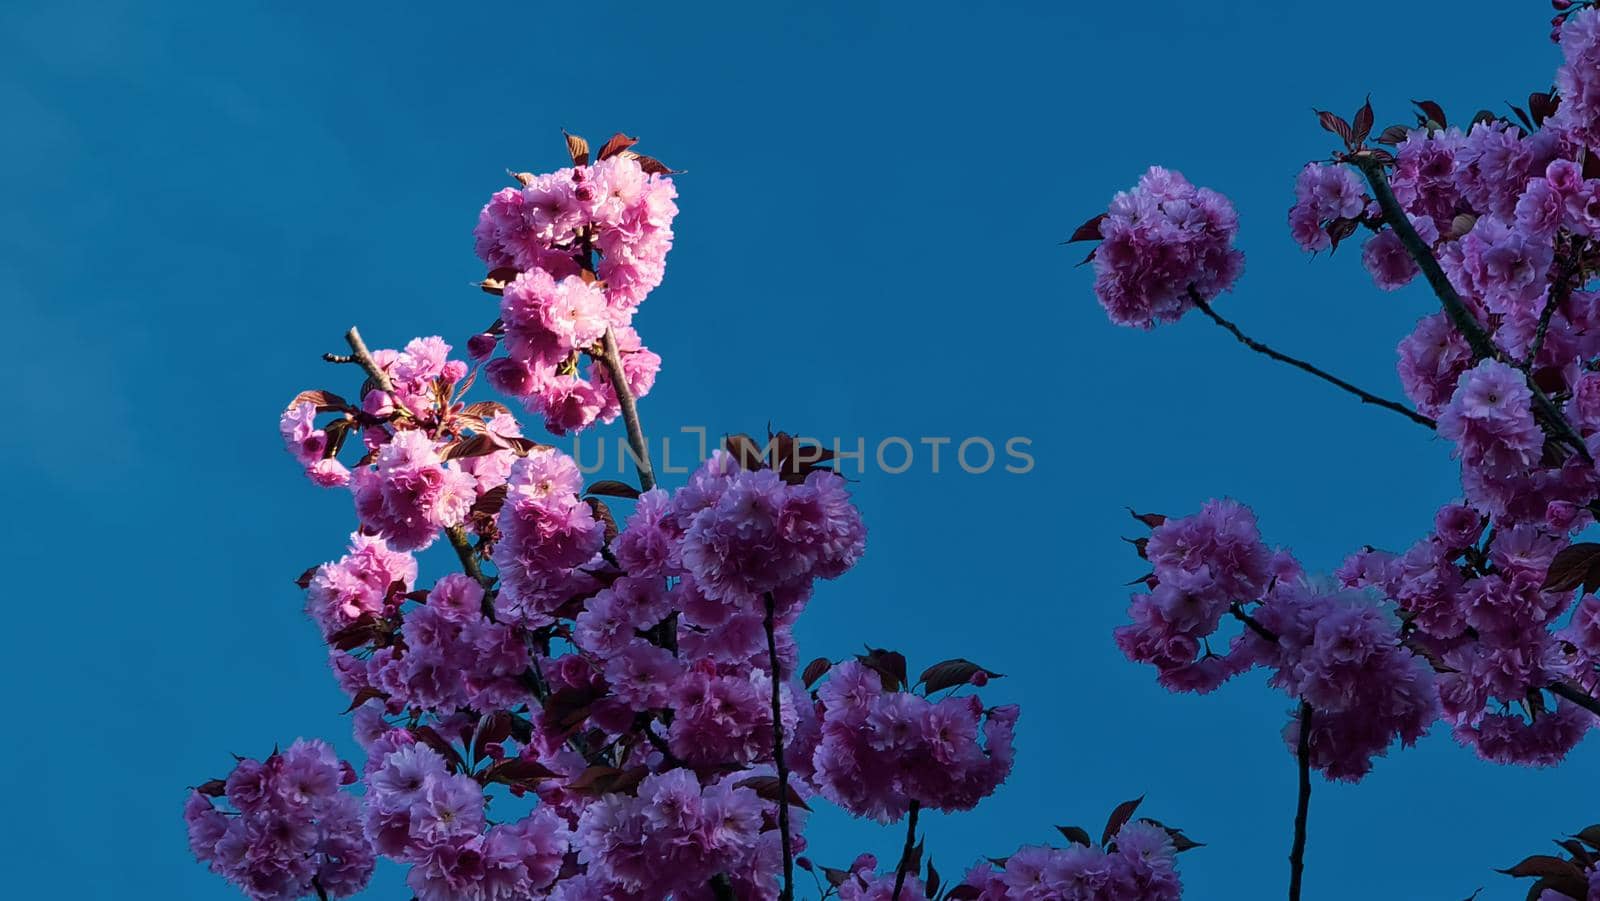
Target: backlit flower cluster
x=1164, y=242
x=581, y=248
x=1477, y=624
x=292, y=830
x=878, y=751
x=601, y=703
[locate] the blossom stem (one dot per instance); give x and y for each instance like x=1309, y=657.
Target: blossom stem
x=1365, y=396
x=1253, y=623
x=1297, y=854
x=468, y=555
x=612, y=360
x=1460, y=316
x=777, y=753
x=910, y=848
x=1576, y=695
x=363, y=358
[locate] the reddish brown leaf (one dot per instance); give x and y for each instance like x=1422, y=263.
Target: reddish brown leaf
x=650, y=164
x=304, y=579
x=485, y=409
x=951, y=673
x=518, y=771
x=614, y=488
x=326, y=401
x=603, y=514
x=1394, y=134
x=1153, y=520
x=1089, y=231
x=1561, y=875
x=1361, y=125
x=491, y=502
x=767, y=788
x=1431, y=112
x=1574, y=566
x=1119, y=818
x=364, y=695
x=815, y=670
x=577, y=148
x=434, y=740
x=889, y=665
x=476, y=446
x=1337, y=125
x=616, y=144
x=216, y=788
x=1077, y=835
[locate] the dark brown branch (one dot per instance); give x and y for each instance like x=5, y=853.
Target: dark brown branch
x=1454, y=307
x=1297, y=854
x=1576, y=695
x=1254, y=624
x=721, y=889
x=910, y=848
x=777, y=753
x=468, y=555
x=612, y=361
x=1366, y=397
x=363, y=358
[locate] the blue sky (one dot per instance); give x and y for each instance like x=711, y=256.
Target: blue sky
x=201, y=197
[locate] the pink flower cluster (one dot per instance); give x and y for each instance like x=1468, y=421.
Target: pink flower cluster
x=420, y=813
x=878, y=752
x=636, y=684
x=1162, y=240
x=291, y=832
x=1139, y=863
x=1337, y=651
x=557, y=303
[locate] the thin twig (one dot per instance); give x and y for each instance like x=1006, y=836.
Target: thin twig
x=1297, y=854
x=777, y=754
x=1366, y=397
x=612, y=361
x=1576, y=695
x=905, y=855
x=363, y=358
x=1454, y=307
x=1253, y=623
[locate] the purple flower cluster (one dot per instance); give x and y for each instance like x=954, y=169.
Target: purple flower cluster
x=560, y=303
x=1161, y=241
x=420, y=813
x=359, y=585
x=1338, y=651
x=547, y=534
x=1140, y=864
x=1323, y=194
x=291, y=831
x=878, y=751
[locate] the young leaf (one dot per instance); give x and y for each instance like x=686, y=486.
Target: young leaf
x=1574, y=566
x=1338, y=126
x=616, y=144
x=577, y=148
x=767, y=788
x=1394, y=134
x=815, y=670
x=1089, y=231
x=1361, y=125
x=614, y=488
x=1077, y=835
x=1431, y=112
x=1119, y=818
x=951, y=673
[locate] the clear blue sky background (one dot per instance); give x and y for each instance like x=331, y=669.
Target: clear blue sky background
x=200, y=197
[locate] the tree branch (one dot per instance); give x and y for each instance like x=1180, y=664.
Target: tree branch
x=1253, y=623
x=1366, y=397
x=1297, y=854
x=1576, y=695
x=363, y=358
x=777, y=754
x=612, y=361
x=1454, y=307
x=905, y=854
